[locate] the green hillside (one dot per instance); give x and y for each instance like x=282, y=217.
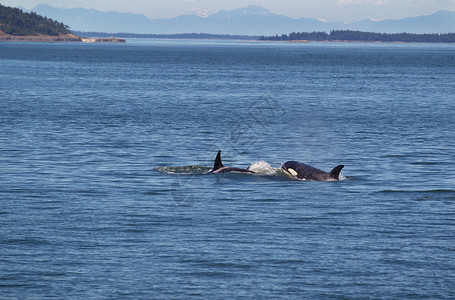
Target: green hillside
x=15, y=22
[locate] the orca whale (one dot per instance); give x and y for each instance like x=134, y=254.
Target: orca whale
x=306, y=172
x=218, y=167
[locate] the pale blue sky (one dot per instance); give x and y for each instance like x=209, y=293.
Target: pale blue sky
x=331, y=10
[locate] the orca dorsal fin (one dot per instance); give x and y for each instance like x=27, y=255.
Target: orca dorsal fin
x=218, y=164
x=335, y=173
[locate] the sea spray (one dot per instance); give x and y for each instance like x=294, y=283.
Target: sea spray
x=262, y=168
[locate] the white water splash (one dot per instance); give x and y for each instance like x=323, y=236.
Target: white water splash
x=262, y=168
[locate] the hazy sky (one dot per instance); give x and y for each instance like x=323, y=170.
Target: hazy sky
x=332, y=10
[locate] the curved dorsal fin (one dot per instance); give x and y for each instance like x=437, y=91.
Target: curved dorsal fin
x=218, y=164
x=335, y=173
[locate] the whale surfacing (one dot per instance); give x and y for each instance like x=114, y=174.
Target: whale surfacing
x=306, y=172
x=218, y=167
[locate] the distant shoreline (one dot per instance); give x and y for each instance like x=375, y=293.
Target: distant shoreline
x=194, y=36
x=362, y=36
x=40, y=38
x=65, y=39
x=97, y=37
x=353, y=41
x=312, y=37
x=58, y=39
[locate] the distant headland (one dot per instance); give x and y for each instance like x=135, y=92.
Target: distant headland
x=16, y=25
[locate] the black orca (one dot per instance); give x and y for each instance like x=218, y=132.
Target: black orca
x=306, y=172
x=218, y=167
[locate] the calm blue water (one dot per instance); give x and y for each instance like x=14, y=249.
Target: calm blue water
x=103, y=149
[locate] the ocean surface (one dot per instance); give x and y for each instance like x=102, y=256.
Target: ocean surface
x=103, y=150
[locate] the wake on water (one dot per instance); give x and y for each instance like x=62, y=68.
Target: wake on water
x=259, y=167
x=184, y=170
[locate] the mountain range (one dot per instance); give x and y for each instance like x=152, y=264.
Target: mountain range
x=252, y=20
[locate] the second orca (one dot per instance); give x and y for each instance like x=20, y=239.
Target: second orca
x=306, y=172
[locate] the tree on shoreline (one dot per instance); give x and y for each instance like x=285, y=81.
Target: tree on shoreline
x=15, y=22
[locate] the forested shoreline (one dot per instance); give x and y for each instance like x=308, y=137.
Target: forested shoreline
x=361, y=36
x=15, y=22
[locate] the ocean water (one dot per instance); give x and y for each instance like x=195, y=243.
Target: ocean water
x=103, y=150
